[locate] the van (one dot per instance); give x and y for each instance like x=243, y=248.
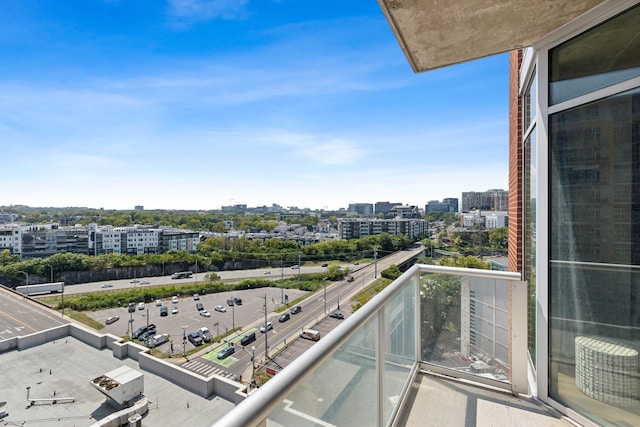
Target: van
x=248, y=338
x=310, y=334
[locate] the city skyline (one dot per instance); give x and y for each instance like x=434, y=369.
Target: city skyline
x=200, y=104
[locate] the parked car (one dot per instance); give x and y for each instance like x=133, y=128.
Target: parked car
x=157, y=340
x=199, y=306
x=158, y=303
x=111, y=319
x=225, y=352
x=238, y=301
x=196, y=297
x=220, y=308
x=337, y=315
x=143, y=329
x=174, y=309
x=297, y=309
x=205, y=334
x=132, y=307
x=230, y=302
x=140, y=306
x=266, y=327
x=195, y=338
x=248, y=338
x=284, y=317
x=205, y=313
x=164, y=311
x=174, y=299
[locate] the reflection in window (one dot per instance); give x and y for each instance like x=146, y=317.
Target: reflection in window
x=594, y=272
x=601, y=57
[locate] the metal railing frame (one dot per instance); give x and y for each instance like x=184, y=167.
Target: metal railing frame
x=254, y=410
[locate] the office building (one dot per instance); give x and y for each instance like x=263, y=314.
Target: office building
x=385, y=207
x=362, y=209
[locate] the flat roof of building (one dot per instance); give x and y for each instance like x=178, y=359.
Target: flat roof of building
x=65, y=367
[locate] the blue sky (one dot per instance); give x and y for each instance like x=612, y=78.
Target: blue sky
x=195, y=104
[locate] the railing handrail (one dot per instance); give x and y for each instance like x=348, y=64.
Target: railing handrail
x=263, y=401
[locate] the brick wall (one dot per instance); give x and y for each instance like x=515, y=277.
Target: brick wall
x=515, y=164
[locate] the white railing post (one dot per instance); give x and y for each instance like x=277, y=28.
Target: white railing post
x=519, y=351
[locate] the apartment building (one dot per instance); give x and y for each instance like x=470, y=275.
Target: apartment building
x=138, y=240
x=495, y=200
x=354, y=228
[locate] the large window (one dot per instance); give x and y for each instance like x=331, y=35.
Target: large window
x=596, y=59
x=594, y=269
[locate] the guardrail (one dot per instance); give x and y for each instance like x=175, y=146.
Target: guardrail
x=373, y=356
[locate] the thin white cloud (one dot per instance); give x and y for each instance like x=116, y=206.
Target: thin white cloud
x=205, y=10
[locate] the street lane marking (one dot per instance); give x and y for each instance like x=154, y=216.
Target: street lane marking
x=18, y=320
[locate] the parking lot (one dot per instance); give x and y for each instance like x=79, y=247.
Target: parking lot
x=188, y=318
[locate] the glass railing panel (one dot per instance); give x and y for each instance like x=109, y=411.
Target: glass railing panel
x=400, y=345
x=342, y=391
x=465, y=324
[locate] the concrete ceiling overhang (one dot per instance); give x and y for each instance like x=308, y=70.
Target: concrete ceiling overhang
x=436, y=33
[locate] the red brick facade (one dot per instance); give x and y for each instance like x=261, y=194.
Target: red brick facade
x=515, y=165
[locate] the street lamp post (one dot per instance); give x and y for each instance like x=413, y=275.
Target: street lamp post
x=325, y=295
x=338, y=285
x=26, y=275
x=184, y=342
x=253, y=364
x=51, y=272
x=233, y=316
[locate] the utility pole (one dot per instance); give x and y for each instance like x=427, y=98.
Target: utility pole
x=266, y=332
x=375, y=263
x=325, y=295
x=282, y=279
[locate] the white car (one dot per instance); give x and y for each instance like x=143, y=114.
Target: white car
x=158, y=303
x=266, y=327
x=145, y=282
x=107, y=285
x=140, y=306
x=174, y=299
x=174, y=309
x=205, y=313
x=220, y=308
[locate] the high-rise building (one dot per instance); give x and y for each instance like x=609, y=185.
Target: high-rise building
x=384, y=207
x=491, y=200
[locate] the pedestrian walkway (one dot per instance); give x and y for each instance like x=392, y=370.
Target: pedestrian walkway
x=206, y=368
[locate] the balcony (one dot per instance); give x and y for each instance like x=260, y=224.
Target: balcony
x=392, y=362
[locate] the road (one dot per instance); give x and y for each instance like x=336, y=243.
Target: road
x=19, y=316
x=267, y=273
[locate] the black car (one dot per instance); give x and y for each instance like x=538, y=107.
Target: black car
x=230, y=302
x=284, y=317
x=238, y=301
x=295, y=310
x=248, y=338
x=164, y=311
x=199, y=306
x=337, y=315
x=142, y=329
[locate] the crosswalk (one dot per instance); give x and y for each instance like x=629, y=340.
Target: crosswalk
x=206, y=368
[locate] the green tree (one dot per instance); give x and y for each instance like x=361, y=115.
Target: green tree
x=499, y=237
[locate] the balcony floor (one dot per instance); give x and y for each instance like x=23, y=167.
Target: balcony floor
x=438, y=401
